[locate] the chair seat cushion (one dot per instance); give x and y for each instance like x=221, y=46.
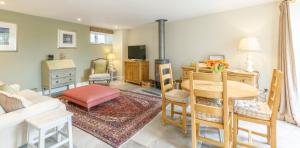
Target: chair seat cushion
x=208, y=117
x=100, y=76
x=254, y=109
x=177, y=95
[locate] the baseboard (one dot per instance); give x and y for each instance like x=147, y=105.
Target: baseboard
x=120, y=78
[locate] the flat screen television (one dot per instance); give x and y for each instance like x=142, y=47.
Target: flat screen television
x=137, y=52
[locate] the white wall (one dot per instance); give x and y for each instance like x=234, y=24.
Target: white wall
x=196, y=38
x=119, y=48
x=146, y=35
x=295, y=15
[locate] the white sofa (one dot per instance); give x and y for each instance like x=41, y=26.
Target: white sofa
x=13, y=129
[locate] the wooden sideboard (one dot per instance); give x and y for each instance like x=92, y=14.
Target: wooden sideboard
x=58, y=73
x=250, y=78
x=136, y=71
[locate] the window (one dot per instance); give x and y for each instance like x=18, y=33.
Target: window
x=100, y=38
x=4, y=36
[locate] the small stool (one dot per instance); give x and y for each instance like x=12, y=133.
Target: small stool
x=49, y=124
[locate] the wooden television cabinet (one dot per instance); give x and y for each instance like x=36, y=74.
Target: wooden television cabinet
x=136, y=71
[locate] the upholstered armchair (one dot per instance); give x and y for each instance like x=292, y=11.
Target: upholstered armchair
x=99, y=71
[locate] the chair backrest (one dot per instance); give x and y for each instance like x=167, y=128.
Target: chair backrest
x=216, y=89
x=99, y=65
x=274, y=94
x=166, y=78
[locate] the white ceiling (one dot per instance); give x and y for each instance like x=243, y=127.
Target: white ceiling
x=124, y=13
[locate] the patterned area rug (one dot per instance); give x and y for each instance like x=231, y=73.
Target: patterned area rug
x=115, y=121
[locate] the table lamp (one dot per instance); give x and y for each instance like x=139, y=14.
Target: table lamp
x=249, y=44
x=110, y=58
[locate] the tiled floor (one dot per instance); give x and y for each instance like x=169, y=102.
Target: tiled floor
x=154, y=135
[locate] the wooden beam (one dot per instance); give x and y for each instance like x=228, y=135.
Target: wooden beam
x=103, y=30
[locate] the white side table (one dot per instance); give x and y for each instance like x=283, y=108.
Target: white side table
x=49, y=124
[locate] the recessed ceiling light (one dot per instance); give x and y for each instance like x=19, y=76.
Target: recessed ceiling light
x=79, y=19
x=2, y=2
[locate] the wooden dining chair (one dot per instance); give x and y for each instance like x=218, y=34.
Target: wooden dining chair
x=264, y=113
x=210, y=108
x=174, y=97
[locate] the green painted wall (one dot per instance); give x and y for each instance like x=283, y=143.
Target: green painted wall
x=36, y=38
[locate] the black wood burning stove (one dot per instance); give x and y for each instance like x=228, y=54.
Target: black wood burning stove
x=161, y=50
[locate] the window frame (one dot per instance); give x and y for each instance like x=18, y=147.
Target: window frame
x=108, y=38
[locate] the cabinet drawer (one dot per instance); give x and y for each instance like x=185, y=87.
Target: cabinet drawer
x=243, y=79
x=69, y=79
x=62, y=73
x=62, y=81
x=57, y=82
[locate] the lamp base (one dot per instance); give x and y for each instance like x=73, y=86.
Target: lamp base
x=249, y=64
x=249, y=68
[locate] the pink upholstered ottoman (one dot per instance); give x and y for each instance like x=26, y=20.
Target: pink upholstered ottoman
x=91, y=95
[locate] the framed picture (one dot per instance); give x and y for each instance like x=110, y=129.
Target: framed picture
x=66, y=39
x=8, y=36
x=216, y=57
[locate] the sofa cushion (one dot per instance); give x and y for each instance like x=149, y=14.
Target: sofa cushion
x=33, y=96
x=11, y=102
x=2, y=111
x=8, y=89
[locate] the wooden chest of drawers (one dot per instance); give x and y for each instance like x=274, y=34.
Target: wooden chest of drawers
x=58, y=73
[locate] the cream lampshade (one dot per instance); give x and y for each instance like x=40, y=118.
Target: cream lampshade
x=111, y=56
x=249, y=44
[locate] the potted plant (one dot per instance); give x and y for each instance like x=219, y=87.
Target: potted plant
x=217, y=66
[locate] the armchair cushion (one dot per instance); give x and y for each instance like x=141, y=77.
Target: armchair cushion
x=100, y=76
x=100, y=66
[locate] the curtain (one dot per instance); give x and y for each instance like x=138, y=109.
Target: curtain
x=289, y=105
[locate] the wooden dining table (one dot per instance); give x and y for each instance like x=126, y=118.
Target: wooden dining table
x=235, y=90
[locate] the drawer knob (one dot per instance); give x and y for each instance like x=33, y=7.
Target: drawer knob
x=56, y=81
x=56, y=76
